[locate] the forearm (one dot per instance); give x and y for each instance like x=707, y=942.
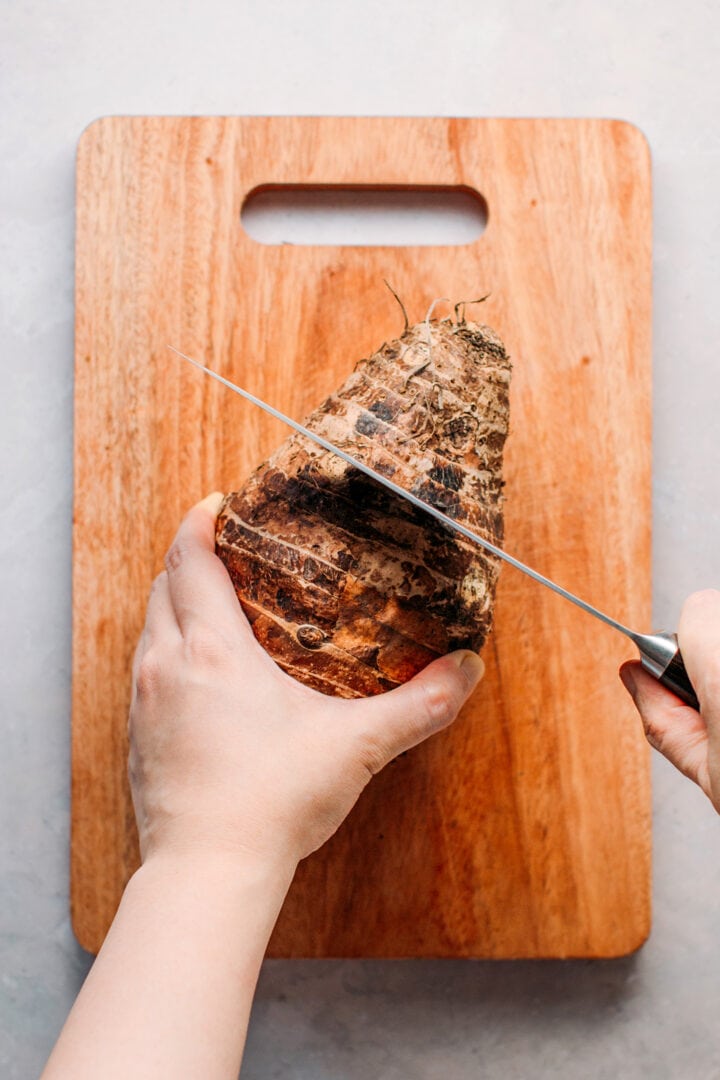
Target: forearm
x=171, y=990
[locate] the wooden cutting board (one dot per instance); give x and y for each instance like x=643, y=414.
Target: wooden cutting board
x=524, y=831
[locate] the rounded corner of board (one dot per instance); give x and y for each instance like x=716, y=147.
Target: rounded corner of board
x=92, y=129
x=631, y=942
x=632, y=133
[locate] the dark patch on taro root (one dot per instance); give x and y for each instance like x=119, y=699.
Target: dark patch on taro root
x=345, y=560
x=385, y=468
x=450, y=476
x=366, y=424
x=382, y=410
x=460, y=430
x=390, y=350
x=440, y=497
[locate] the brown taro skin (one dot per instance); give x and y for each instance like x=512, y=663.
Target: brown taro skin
x=350, y=588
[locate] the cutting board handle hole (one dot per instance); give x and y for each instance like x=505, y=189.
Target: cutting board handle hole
x=364, y=216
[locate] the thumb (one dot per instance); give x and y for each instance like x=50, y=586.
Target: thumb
x=429, y=702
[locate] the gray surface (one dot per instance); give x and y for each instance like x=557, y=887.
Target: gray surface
x=64, y=63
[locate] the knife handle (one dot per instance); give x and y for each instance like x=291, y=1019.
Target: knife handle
x=676, y=678
x=660, y=655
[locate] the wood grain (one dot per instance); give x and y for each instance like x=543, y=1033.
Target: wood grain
x=524, y=831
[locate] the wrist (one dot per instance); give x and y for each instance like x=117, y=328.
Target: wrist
x=218, y=872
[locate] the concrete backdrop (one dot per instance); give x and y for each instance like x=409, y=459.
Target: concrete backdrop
x=65, y=62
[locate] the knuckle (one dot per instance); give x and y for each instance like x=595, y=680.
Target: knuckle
x=149, y=674
x=206, y=646
x=175, y=555
x=438, y=704
x=371, y=754
x=653, y=736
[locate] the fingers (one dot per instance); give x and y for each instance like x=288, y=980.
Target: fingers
x=200, y=588
x=699, y=639
x=676, y=730
x=395, y=721
x=688, y=739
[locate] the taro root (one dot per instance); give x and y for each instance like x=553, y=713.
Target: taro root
x=350, y=588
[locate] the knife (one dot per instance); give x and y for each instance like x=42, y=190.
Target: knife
x=659, y=651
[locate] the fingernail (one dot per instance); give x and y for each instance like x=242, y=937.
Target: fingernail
x=213, y=501
x=628, y=681
x=471, y=665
